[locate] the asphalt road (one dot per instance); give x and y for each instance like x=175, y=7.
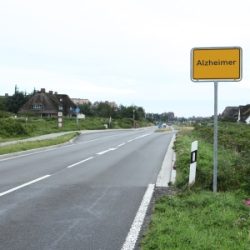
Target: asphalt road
x=79, y=196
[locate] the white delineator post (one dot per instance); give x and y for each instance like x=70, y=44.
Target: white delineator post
x=193, y=161
x=60, y=119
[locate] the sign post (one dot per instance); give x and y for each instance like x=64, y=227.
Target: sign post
x=77, y=111
x=220, y=64
x=215, y=170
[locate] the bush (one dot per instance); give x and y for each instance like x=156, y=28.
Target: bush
x=125, y=123
x=4, y=114
x=11, y=127
x=233, y=157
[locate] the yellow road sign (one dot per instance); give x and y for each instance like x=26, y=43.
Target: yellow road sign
x=216, y=64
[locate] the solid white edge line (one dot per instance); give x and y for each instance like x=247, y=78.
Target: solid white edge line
x=77, y=163
x=24, y=185
x=134, y=231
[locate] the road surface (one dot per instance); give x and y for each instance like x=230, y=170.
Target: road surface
x=84, y=195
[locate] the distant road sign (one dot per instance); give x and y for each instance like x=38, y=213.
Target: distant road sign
x=77, y=110
x=216, y=64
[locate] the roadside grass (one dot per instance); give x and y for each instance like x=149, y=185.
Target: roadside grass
x=13, y=129
x=23, y=146
x=20, y=128
x=198, y=218
x=40, y=126
x=233, y=157
x=201, y=220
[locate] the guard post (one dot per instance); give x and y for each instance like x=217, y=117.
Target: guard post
x=193, y=162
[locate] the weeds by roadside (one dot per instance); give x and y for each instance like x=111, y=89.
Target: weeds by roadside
x=196, y=218
x=233, y=157
x=201, y=220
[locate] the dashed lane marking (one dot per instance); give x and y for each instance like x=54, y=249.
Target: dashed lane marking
x=106, y=151
x=24, y=185
x=77, y=163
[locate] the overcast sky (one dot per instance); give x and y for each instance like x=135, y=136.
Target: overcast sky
x=131, y=51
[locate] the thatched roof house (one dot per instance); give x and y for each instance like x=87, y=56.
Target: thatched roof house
x=48, y=104
x=234, y=113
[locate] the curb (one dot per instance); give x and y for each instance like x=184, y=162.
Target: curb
x=167, y=173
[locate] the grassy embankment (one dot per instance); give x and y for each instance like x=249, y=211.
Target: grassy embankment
x=11, y=128
x=20, y=128
x=196, y=218
x=22, y=146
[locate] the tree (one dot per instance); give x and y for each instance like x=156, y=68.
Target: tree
x=3, y=103
x=16, y=101
x=140, y=113
x=86, y=109
x=104, y=109
x=132, y=112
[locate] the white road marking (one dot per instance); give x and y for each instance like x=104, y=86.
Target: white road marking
x=77, y=163
x=134, y=231
x=24, y=185
x=139, y=137
x=106, y=151
x=120, y=145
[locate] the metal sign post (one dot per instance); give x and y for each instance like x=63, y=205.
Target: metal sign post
x=218, y=64
x=215, y=170
x=77, y=111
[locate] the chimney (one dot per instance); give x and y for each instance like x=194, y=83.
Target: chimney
x=6, y=94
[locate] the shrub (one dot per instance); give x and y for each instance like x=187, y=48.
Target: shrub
x=4, y=114
x=11, y=127
x=233, y=157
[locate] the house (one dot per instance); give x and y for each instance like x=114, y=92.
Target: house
x=79, y=101
x=240, y=113
x=48, y=104
x=248, y=120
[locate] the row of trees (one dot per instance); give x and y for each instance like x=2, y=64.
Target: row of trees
x=107, y=109
x=102, y=109
x=164, y=117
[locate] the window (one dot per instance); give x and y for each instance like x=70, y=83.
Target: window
x=37, y=106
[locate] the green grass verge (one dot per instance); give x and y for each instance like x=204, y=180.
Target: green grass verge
x=199, y=221
x=22, y=146
x=13, y=129
x=233, y=157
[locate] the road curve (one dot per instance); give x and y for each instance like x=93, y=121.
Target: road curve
x=79, y=196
